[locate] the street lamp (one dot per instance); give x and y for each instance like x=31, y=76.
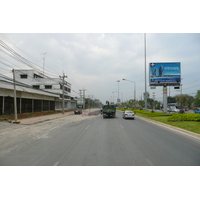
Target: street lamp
x=122, y=96
x=113, y=97
x=118, y=90
x=145, y=77
x=134, y=87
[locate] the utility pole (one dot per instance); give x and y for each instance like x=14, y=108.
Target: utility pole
x=81, y=99
x=43, y=62
x=84, y=98
x=15, y=96
x=63, y=96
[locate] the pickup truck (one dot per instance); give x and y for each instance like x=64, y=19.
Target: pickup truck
x=77, y=111
x=109, y=111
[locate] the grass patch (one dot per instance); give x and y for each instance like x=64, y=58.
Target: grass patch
x=185, y=117
x=193, y=126
x=171, y=119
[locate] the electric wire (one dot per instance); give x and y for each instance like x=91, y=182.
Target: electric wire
x=13, y=54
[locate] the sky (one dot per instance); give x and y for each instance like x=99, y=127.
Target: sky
x=96, y=43
x=96, y=61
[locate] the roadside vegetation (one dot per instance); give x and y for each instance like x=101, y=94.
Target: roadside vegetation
x=187, y=121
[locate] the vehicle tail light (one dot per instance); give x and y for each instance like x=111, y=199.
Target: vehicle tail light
x=132, y=114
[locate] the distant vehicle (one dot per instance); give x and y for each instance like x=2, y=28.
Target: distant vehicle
x=197, y=111
x=128, y=114
x=109, y=110
x=176, y=110
x=77, y=111
x=173, y=109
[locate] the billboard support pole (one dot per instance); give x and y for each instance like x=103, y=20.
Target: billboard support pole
x=164, y=98
x=145, y=96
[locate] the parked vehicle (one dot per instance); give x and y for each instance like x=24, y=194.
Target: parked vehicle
x=109, y=111
x=173, y=109
x=128, y=114
x=77, y=111
x=197, y=111
x=176, y=110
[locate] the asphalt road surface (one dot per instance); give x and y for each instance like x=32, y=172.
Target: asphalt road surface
x=95, y=141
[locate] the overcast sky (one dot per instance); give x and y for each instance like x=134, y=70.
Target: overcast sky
x=96, y=61
x=96, y=43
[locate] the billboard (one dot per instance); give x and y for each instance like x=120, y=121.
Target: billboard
x=80, y=101
x=168, y=73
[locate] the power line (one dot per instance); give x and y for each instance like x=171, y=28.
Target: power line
x=10, y=52
x=19, y=48
x=14, y=55
x=38, y=67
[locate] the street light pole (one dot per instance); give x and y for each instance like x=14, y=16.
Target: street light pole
x=134, y=87
x=145, y=96
x=118, y=90
x=122, y=96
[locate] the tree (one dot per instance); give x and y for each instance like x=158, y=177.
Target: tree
x=171, y=100
x=190, y=101
x=141, y=103
x=184, y=100
x=197, y=99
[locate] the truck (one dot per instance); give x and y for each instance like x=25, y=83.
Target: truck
x=77, y=111
x=109, y=110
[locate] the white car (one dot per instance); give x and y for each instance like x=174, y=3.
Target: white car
x=128, y=114
x=176, y=110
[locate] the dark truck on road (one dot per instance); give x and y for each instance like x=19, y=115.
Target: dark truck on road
x=77, y=111
x=109, y=111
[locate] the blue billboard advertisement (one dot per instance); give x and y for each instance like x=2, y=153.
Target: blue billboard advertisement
x=168, y=73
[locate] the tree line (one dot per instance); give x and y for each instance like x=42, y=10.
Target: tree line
x=182, y=100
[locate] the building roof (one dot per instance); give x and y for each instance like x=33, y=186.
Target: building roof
x=4, y=84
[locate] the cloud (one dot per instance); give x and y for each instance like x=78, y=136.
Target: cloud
x=97, y=61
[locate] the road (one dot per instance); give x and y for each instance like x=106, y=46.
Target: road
x=94, y=141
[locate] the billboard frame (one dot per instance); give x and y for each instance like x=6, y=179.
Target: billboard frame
x=158, y=78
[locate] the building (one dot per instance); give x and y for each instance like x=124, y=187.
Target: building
x=35, y=93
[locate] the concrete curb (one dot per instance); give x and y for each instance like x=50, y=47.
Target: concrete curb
x=45, y=118
x=37, y=120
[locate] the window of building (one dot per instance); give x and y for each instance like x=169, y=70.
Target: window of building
x=37, y=76
x=36, y=86
x=65, y=88
x=48, y=86
x=24, y=76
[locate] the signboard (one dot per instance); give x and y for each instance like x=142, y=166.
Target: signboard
x=80, y=101
x=118, y=100
x=168, y=73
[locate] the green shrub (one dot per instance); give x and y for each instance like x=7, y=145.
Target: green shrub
x=147, y=113
x=184, y=117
